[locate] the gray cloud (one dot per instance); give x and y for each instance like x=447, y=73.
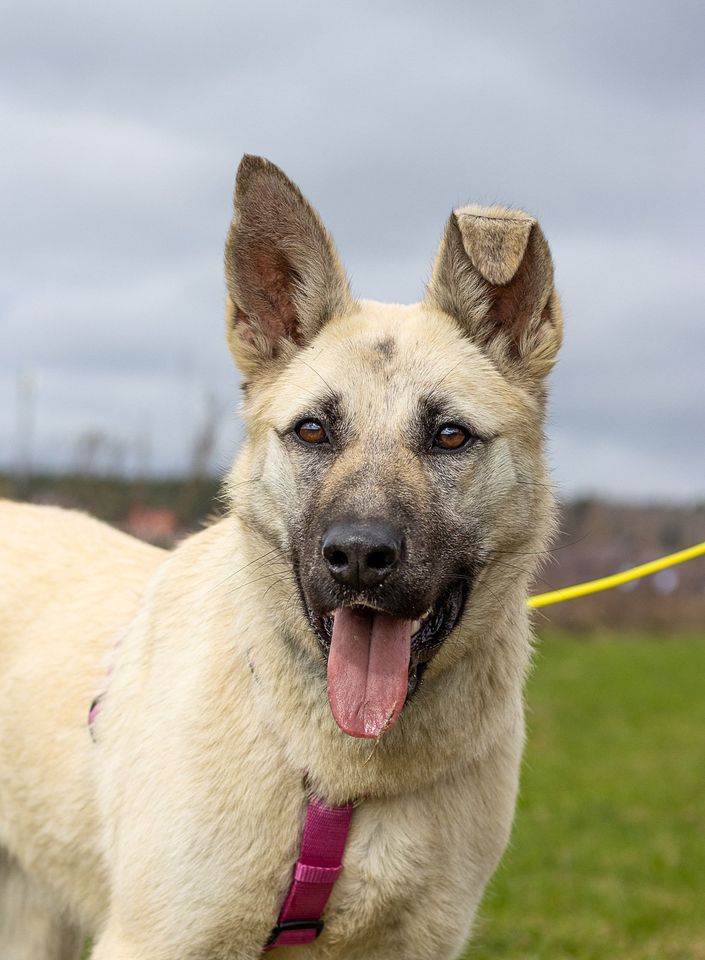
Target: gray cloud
x=124, y=126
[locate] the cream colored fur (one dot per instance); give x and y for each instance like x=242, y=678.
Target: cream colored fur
x=173, y=836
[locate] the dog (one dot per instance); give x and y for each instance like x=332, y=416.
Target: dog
x=353, y=631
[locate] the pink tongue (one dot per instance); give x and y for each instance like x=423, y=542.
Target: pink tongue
x=368, y=671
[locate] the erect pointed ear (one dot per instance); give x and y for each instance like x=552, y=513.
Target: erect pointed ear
x=283, y=276
x=493, y=273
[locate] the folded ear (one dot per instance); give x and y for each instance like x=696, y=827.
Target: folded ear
x=493, y=273
x=283, y=276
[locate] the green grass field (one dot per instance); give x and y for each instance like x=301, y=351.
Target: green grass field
x=607, y=858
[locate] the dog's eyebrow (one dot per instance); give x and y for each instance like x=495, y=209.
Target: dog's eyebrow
x=327, y=405
x=331, y=405
x=437, y=405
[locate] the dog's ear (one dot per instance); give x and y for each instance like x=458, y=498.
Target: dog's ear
x=493, y=273
x=283, y=276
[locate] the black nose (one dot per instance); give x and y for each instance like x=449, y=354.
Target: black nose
x=361, y=554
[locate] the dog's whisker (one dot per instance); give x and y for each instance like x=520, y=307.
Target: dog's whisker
x=275, y=584
x=484, y=585
x=449, y=372
x=240, y=483
x=320, y=377
x=315, y=394
x=535, y=483
x=260, y=561
x=526, y=570
x=248, y=583
x=547, y=551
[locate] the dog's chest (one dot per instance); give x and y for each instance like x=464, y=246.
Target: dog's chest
x=393, y=868
x=388, y=863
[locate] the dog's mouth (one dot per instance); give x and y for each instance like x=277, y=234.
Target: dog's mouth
x=376, y=660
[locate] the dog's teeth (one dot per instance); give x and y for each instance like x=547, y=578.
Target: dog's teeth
x=415, y=626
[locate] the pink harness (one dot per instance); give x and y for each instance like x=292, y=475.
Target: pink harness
x=316, y=869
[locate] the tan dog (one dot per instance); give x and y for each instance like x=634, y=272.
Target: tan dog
x=355, y=626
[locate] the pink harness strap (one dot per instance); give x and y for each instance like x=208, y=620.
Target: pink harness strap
x=315, y=872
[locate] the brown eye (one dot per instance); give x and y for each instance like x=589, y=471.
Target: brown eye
x=311, y=431
x=451, y=437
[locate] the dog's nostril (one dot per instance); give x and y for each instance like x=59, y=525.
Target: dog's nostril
x=381, y=559
x=336, y=558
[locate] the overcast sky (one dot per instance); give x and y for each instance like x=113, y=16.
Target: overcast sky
x=122, y=126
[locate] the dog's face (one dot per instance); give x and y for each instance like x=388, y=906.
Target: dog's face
x=397, y=451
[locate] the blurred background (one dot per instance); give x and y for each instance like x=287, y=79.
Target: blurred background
x=122, y=128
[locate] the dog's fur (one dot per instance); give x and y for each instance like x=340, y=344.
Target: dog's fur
x=174, y=835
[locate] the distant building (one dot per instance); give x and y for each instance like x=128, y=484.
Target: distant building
x=155, y=524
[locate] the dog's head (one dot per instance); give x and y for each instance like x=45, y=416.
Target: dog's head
x=395, y=453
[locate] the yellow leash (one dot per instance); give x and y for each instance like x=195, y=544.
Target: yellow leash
x=605, y=583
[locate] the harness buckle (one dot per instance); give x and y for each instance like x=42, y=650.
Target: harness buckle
x=283, y=926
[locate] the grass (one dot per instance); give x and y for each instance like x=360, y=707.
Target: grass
x=607, y=860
